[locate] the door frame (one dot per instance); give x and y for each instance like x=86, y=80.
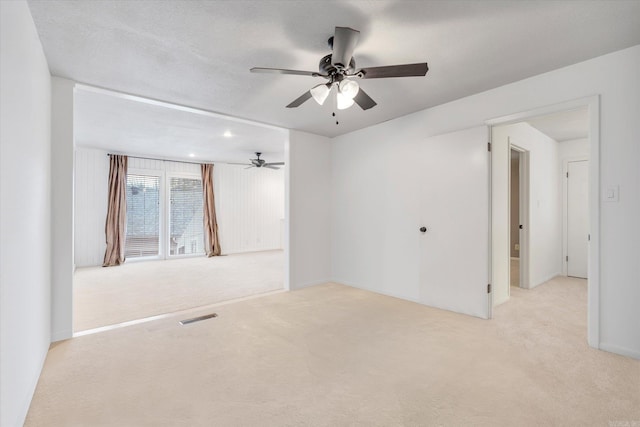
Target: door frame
x=523, y=212
x=593, y=281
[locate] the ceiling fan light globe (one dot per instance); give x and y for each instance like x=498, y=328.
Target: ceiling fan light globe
x=320, y=93
x=349, y=88
x=343, y=101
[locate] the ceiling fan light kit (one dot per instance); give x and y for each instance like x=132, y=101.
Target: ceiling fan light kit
x=320, y=92
x=343, y=102
x=339, y=68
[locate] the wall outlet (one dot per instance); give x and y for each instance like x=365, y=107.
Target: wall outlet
x=517, y=246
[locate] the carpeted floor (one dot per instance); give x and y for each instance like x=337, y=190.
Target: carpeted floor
x=107, y=296
x=515, y=272
x=331, y=355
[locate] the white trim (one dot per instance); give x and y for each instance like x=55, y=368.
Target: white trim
x=173, y=106
x=513, y=258
x=525, y=218
x=288, y=266
x=546, y=279
x=611, y=348
x=311, y=283
x=490, y=301
x=387, y=294
x=593, y=103
x=172, y=314
x=61, y=335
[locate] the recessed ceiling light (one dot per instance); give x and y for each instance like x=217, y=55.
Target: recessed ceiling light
x=227, y=134
x=191, y=155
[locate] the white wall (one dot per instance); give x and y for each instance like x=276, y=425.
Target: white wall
x=249, y=207
x=62, y=171
x=91, y=197
x=573, y=149
x=249, y=203
x=545, y=212
x=25, y=202
x=376, y=210
x=309, y=209
x=615, y=78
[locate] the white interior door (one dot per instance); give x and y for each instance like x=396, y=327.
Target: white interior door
x=577, y=218
x=454, y=199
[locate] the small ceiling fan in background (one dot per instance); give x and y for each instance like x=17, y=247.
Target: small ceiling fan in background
x=260, y=163
x=339, y=68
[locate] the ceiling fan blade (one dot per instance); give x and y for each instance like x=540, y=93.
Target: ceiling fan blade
x=274, y=164
x=283, y=71
x=344, y=42
x=252, y=166
x=364, y=101
x=270, y=167
x=407, y=70
x=300, y=100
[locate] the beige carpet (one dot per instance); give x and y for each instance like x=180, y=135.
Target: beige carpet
x=106, y=296
x=515, y=272
x=331, y=355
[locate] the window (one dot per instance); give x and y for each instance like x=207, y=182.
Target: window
x=143, y=216
x=186, y=227
x=164, y=214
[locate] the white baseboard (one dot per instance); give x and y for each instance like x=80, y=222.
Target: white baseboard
x=388, y=294
x=546, y=279
x=623, y=351
x=308, y=284
x=61, y=335
x=251, y=250
x=513, y=258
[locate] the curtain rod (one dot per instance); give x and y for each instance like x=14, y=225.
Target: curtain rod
x=162, y=160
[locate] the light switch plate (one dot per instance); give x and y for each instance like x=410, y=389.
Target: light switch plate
x=611, y=193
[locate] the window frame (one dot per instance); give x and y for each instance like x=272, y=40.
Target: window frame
x=167, y=231
x=161, y=216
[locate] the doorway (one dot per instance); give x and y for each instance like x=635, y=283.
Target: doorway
x=518, y=217
x=549, y=205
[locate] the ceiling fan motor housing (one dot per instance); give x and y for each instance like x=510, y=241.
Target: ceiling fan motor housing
x=328, y=69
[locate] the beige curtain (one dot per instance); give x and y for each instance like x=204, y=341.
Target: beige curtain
x=114, y=228
x=211, y=241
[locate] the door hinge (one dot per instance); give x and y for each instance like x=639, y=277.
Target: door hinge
x=489, y=288
x=566, y=258
x=588, y=237
x=567, y=174
x=488, y=146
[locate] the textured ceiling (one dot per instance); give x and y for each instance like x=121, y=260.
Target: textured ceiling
x=198, y=53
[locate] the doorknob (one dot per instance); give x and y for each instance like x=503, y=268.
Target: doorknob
x=423, y=229
x=520, y=226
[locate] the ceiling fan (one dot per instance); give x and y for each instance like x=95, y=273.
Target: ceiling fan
x=261, y=163
x=339, y=68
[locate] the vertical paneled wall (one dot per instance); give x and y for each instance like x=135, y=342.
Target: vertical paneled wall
x=91, y=195
x=249, y=204
x=249, y=207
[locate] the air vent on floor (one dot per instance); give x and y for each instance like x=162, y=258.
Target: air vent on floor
x=198, y=319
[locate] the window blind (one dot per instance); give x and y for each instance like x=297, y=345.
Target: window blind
x=186, y=228
x=143, y=216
